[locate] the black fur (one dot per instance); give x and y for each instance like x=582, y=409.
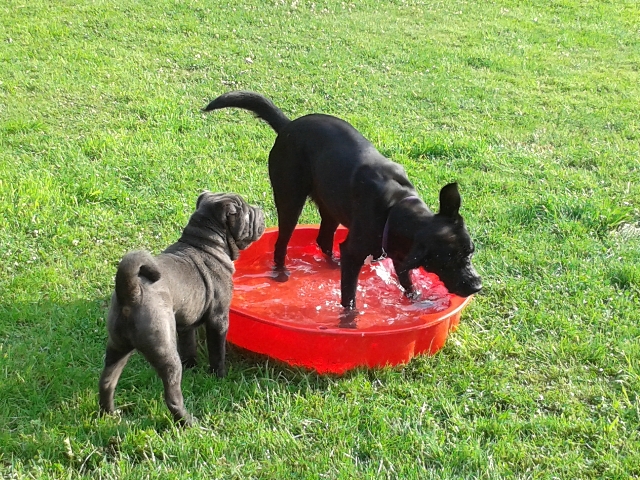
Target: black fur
x=326, y=159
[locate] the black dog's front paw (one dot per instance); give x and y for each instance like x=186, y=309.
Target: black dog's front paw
x=413, y=295
x=281, y=274
x=334, y=262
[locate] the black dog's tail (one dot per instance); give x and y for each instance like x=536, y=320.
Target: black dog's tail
x=134, y=269
x=254, y=102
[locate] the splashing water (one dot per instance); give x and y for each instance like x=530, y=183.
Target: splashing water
x=311, y=296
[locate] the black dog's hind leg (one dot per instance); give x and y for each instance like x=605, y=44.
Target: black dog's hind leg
x=287, y=221
x=114, y=362
x=349, y=272
x=291, y=186
x=289, y=209
x=328, y=227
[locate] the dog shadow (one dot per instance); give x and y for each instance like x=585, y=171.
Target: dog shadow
x=52, y=354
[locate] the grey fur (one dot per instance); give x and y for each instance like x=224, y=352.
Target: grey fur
x=159, y=302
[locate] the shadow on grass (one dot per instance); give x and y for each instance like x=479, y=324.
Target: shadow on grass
x=51, y=356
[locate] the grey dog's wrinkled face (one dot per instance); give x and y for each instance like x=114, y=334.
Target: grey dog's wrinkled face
x=231, y=215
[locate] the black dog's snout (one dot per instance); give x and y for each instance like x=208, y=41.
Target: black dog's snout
x=468, y=288
x=475, y=289
x=463, y=287
x=467, y=291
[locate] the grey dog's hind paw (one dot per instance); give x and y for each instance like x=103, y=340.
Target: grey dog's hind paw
x=116, y=412
x=187, y=421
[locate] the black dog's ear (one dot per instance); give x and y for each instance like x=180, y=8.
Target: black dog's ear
x=450, y=200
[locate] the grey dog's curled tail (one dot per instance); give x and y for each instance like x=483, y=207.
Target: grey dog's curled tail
x=134, y=269
x=254, y=102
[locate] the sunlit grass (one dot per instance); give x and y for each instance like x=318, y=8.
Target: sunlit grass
x=531, y=106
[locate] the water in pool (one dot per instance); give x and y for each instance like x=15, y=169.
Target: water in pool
x=311, y=296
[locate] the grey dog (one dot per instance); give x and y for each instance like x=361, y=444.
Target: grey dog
x=159, y=301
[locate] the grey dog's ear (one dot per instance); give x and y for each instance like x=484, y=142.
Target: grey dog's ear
x=201, y=197
x=231, y=208
x=225, y=210
x=450, y=200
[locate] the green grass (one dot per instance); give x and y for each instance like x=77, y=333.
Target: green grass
x=531, y=106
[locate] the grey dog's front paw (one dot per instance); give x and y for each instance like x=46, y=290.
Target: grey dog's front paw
x=219, y=371
x=189, y=363
x=103, y=412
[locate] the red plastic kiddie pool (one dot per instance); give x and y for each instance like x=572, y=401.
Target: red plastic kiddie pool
x=298, y=321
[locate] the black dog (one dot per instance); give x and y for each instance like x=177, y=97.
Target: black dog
x=325, y=158
x=189, y=284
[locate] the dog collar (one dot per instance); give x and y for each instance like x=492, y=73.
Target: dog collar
x=385, y=232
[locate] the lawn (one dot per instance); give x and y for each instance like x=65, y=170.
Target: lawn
x=531, y=106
